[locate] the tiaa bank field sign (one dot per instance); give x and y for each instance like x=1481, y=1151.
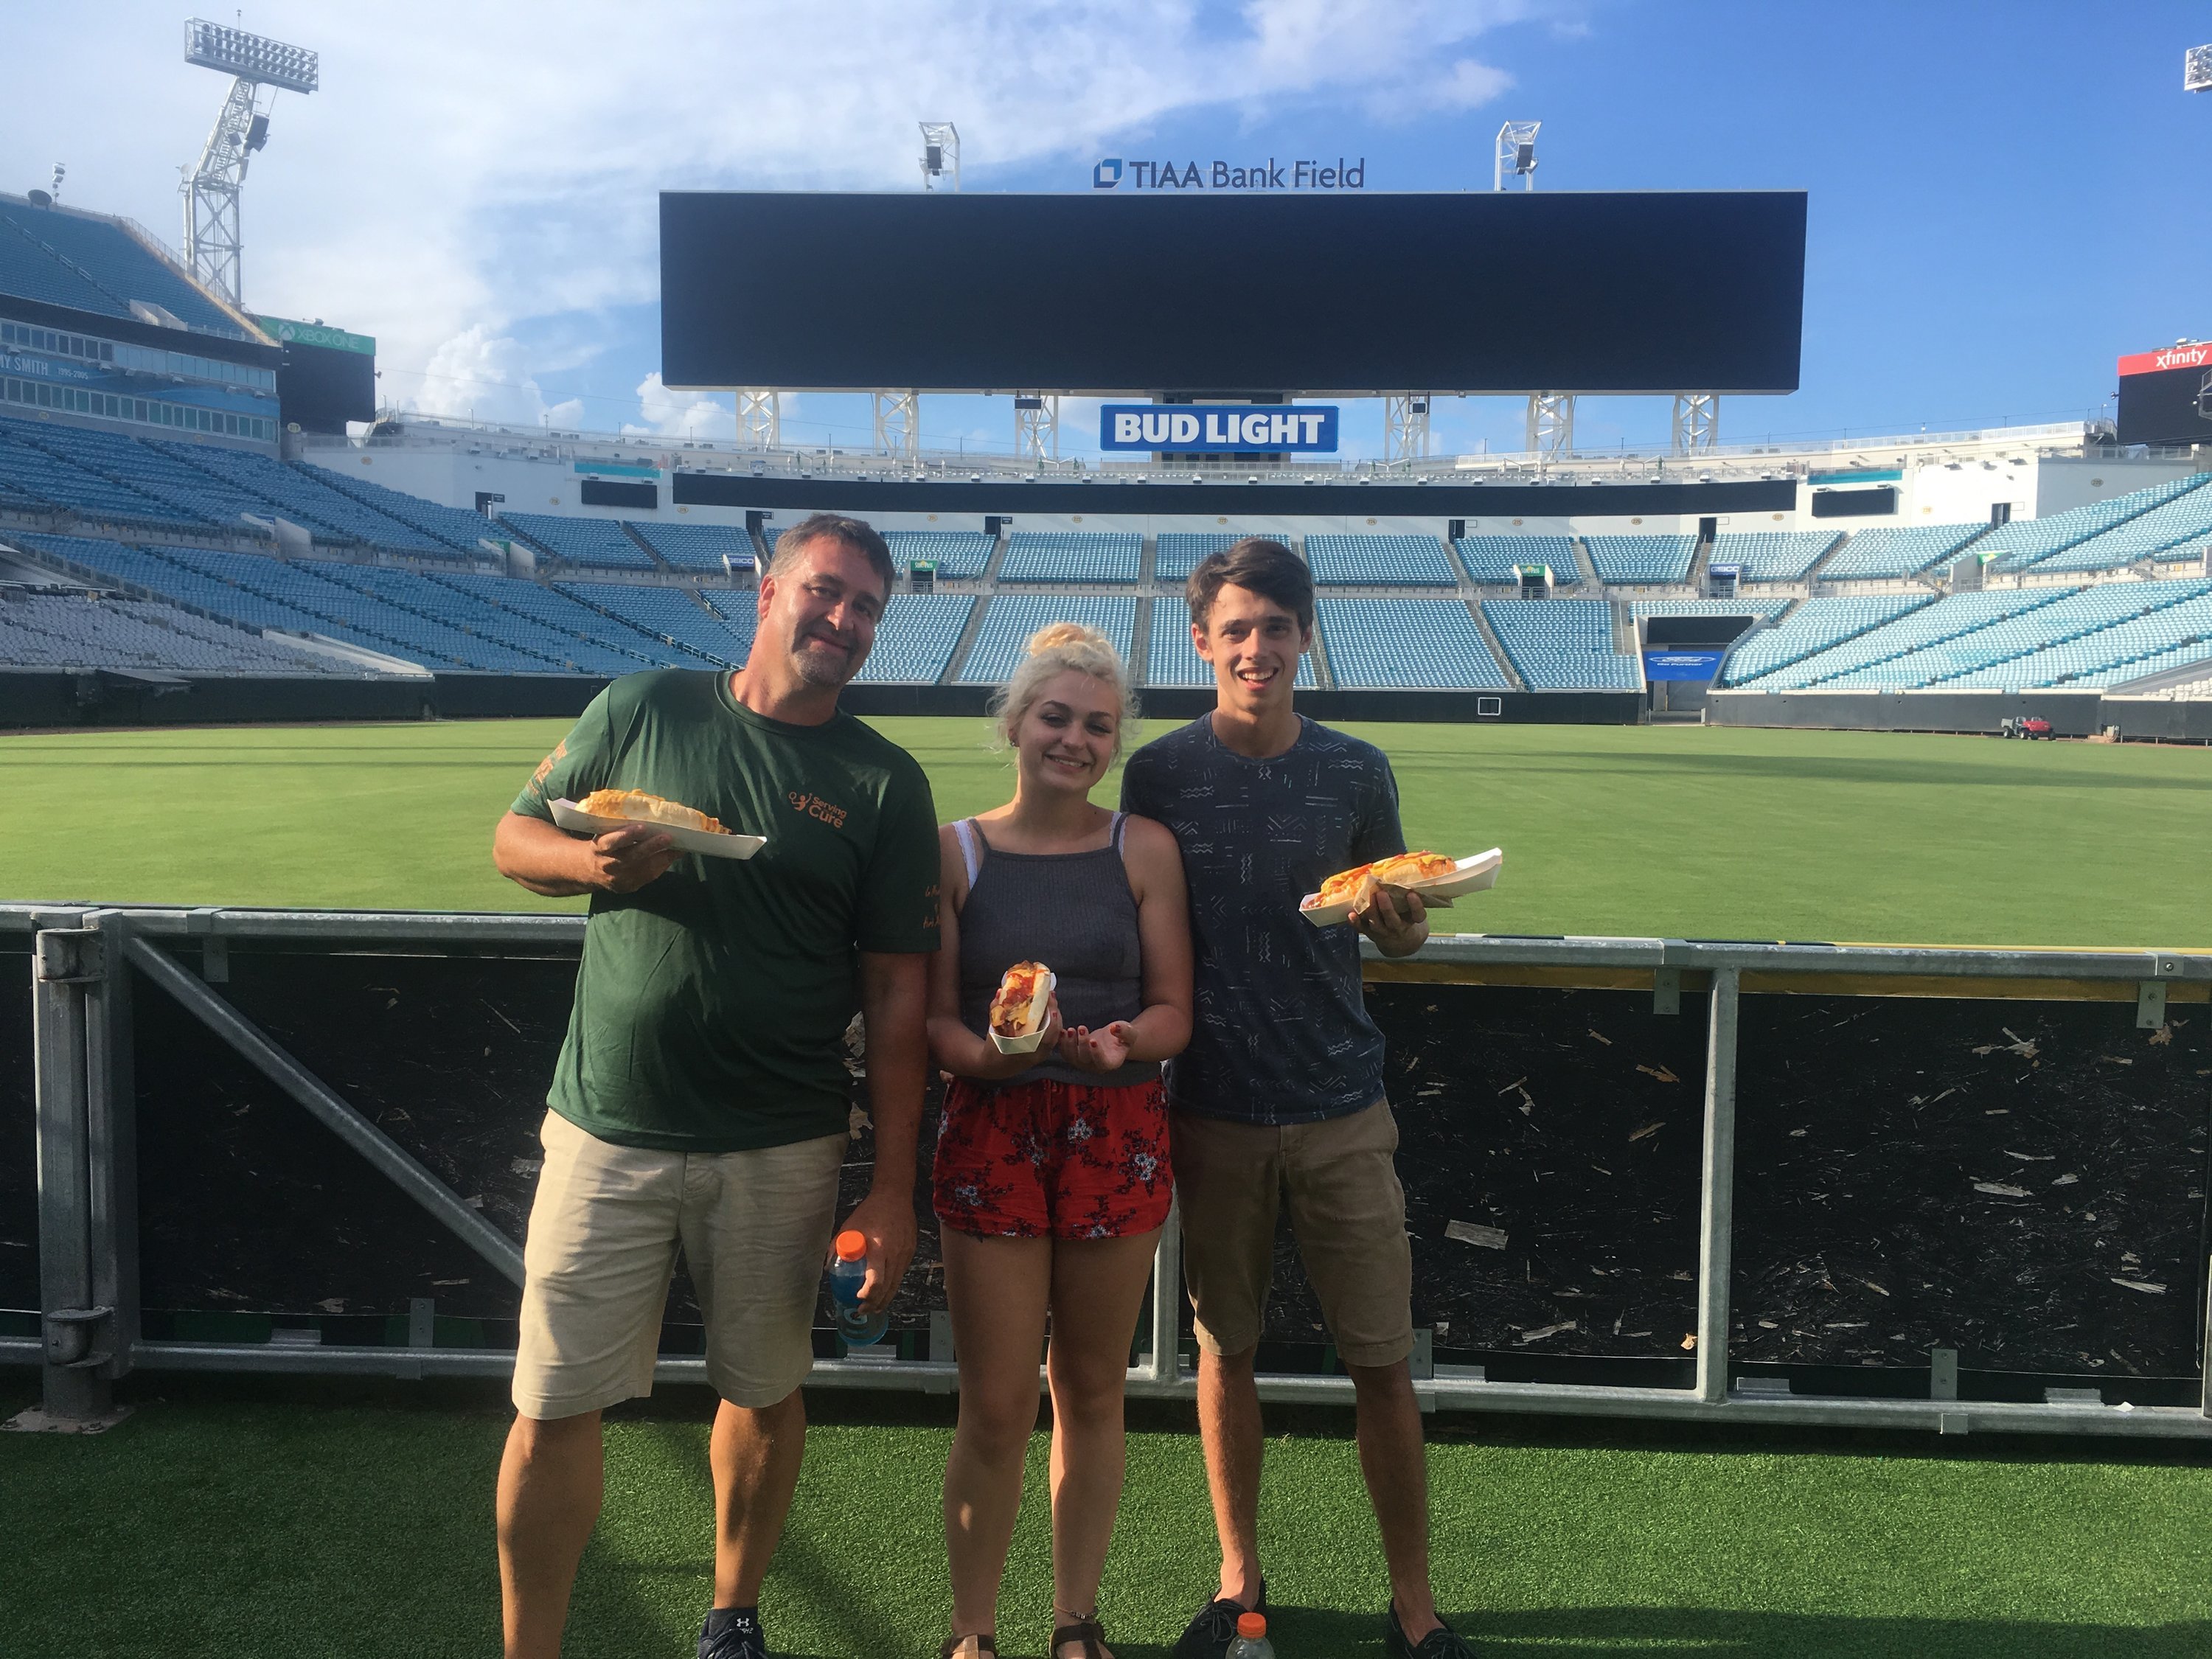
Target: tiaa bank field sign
x=1218, y=428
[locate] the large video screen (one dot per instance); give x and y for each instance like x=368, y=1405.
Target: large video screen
x=320, y=390
x=2168, y=406
x=1340, y=295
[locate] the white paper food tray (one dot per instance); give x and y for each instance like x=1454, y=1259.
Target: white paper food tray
x=1029, y=1044
x=569, y=816
x=1468, y=876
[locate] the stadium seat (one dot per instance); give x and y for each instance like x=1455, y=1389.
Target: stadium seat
x=713, y=550
x=1406, y=643
x=1013, y=617
x=1379, y=561
x=1812, y=627
x=2181, y=524
x=1894, y=552
x=958, y=555
x=41, y=477
x=90, y=630
x=670, y=615
x=450, y=527
x=914, y=640
x=1494, y=559
x=300, y=494
x=1072, y=557
x=1856, y=660
x=1176, y=553
x=1770, y=607
x=1642, y=559
x=2026, y=543
x=1772, y=556
x=589, y=544
x=2092, y=631
x=1563, y=645
x=95, y=265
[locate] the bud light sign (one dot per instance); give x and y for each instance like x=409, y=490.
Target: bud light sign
x=1218, y=428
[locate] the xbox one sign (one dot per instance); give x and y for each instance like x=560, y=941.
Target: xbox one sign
x=1218, y=428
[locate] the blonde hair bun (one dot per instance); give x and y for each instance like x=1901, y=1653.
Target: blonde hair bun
x=1058, y=648
x=1059, y=636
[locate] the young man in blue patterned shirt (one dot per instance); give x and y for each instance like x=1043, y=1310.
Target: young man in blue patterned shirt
x=1278, y=1097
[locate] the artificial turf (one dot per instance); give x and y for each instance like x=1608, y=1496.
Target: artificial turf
x=1681, y=831
x=238, y=1518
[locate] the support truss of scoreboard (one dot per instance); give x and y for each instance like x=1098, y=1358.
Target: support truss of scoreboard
x=88, y=965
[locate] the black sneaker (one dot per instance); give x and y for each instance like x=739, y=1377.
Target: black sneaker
x=738, y=1638
x=1209, y=1634
x=1441, y=1642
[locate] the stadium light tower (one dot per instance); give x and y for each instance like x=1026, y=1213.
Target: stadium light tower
x=940, y=154
x=255, y=63
x=2196, y=69
x=1036, y=426
x=1516, y=155
x=1697, y=421
x=1406, y=426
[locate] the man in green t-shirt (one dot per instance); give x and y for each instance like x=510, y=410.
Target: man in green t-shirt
x=700, y=1097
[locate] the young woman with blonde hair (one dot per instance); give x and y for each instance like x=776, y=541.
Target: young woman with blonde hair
x=1052, y=1178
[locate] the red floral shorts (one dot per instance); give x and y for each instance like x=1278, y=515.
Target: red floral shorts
x=1048, y=1159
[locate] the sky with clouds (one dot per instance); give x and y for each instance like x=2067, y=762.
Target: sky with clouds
x=2002, y=199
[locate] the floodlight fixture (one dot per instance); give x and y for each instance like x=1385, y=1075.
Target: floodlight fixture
x=2196, y=69
x=1516, y=155
x=940, y=154
x=212, y=245
x=250, y=57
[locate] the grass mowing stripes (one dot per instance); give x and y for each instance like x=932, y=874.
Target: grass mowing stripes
x=267, y=1519
x=1680, y=831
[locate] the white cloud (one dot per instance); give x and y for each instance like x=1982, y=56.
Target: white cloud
x=476, y=376
x=678, y=414
x=464, y=170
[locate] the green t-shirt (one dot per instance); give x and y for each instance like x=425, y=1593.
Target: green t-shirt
x=711, y=1002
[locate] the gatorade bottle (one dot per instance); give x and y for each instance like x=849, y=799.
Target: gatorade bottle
x=1251, y=1641
x=854, y=1324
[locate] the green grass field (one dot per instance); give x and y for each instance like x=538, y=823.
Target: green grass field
x=1682, y=831
x=288, y=1519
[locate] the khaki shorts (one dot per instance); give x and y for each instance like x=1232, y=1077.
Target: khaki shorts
x=1347, y=1212
x=755, y=1227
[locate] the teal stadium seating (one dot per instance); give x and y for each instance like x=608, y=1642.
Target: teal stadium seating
x=1406, y=643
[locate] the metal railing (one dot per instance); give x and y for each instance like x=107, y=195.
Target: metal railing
x=86, y=960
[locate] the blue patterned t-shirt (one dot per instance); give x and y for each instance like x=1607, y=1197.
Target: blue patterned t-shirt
x=1282, y=1033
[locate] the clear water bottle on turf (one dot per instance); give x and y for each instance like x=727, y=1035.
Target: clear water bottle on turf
x=856, y=1324
x=1251, y=1641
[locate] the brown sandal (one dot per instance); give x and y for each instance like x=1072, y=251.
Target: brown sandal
x=1088, y=1631
x=958, y=1647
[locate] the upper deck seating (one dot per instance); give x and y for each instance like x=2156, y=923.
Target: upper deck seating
x=1379, y=561
x=958, y=555
x=94, y=265
x=1494, y=558
x=2026, y=542
x=1893, y=552
x=1772, y=556
x=1642, y=559
x=713, y=550
x=1072, y=557
x=592, y=544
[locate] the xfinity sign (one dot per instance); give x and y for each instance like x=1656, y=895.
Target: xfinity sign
x=1303, y=173
x=1218, y=428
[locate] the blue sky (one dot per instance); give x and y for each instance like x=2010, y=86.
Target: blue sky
x=2004, y=198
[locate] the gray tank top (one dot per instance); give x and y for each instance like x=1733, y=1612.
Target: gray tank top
x=1071, y=911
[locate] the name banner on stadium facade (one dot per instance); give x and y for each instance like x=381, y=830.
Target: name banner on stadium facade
x=1682, y=665
x=2174, y=356
x=50, y=369
x=1112, y=172
x=1218, y=428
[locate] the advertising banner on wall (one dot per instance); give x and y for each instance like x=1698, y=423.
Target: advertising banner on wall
x=1218, y=428
x=1682, y=665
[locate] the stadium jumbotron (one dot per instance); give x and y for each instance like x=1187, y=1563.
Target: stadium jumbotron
x=1824, y=1069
